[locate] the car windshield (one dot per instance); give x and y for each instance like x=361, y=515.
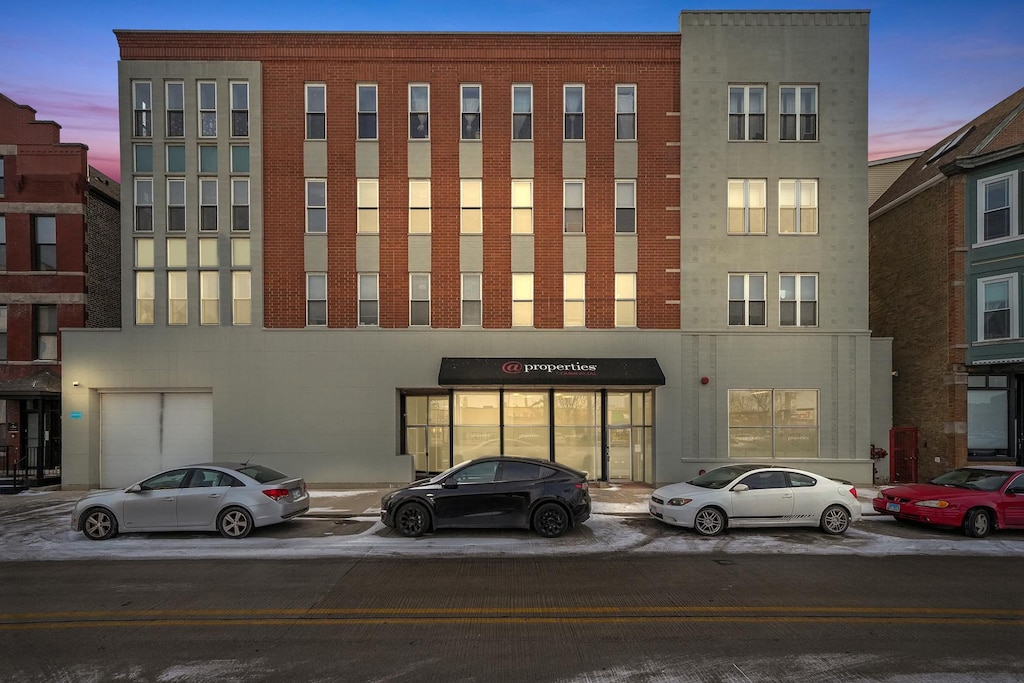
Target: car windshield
x=973, y=478
x=260, y=473
x=721, y=476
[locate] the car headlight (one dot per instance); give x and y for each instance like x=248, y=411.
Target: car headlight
x=932, y=503
x=678, y=501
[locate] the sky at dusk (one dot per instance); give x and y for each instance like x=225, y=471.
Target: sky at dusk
x=934, y=64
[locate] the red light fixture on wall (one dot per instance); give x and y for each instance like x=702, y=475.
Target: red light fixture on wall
x=705, y=380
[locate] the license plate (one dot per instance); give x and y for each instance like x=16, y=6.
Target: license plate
x=892, y=507
x=655, y=512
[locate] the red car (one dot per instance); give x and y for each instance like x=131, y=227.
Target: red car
x=975, y=499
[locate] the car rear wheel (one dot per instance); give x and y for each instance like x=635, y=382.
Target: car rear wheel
x=709, y=522
x=412, y=520
x=234, y=523
x=99, y=524
x=835, y=520
x=550, y=520
x=977, y=523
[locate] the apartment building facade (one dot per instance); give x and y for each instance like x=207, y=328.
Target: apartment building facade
x=364, y=257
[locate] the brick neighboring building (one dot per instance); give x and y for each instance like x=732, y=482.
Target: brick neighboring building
x=361, y=256
x=56, y=216
x=947, y=262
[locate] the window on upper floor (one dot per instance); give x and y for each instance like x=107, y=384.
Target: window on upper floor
x=177, y=252
x=208, y=159
x=419, y=207
x=144, y=204
x=174, y=100
x=175, y=204
x=746, y=112
x=419, y=111
x=625, y=112
x=3, y=332
x=367, y=206
x=316, y=299
x=366, y=111
x=471, y=199
x=419, y=299
x=316, y=206
x=239, y=109
x=574, y=300
x=998, y=308
x=207, y=109
x=316, y=111
x=1, y=176
x=208, y=204
x=747, y=299
x=572, y=206
x=3, y=242
x=142, y=107
x=522, y=112
x=45, y=329
x=369, y=299
x=572, y=98
x=241, y=297
x=44, y=243
x=625, y=299
x=798, y=300
x=143, y=158
x=522, y=299
x=471, y=111
x=625, y=206
x=522, y=207
x=145, y=296
x=209, y=297
x=239, y=158
x=998, y=208
x=175, y=158
x=798, y=112
x=240, y=204
x=208, y=252
x=472, y=300
x=747, y=206
x=177, y=297
x=798, y=207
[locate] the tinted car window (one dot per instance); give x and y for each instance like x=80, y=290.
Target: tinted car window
x=480, y=473
x=972, y=478
x=766, y=480
x=202, y=478
x=522, y=471
x=260, y=473
x=165, y=480
x=720, y=476
x=796, y=480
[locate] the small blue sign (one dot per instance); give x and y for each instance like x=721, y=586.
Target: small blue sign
x=76, y=415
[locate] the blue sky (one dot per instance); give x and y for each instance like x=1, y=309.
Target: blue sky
x=935, y=64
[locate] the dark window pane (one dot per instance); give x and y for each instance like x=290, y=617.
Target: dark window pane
x=787, y=313
x=144, y=218
x=208, y=123
x=808, y=127
x=625, y=220
x=757, y=313
x=809, y=313
x=240, y=218
x=46, y=257
x=419, y=313
x=522, y=126
x=208, y=218
x=574, y=126
x=625, y=127
x=316, y=126
x=737, y=312
x=472, y=313
x=997, y=224
x=419, y=126
x=316, y=313
x=367, y=126
x=143, y=124
x=470, y=126
x=176, y=218
x=520, y=471
x=175, y=124
x=240, y=123
x=574, y=220
x=367, y=312
x=757, y=126
x=736, y=126
x=788, y=131
x=997, y=324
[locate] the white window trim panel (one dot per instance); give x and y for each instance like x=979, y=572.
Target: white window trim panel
x=979, y=226
x=1014, y=303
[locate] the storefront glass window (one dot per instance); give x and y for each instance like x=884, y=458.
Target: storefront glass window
x=988, y=417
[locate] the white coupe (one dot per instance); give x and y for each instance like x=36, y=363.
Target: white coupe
x=757, y=496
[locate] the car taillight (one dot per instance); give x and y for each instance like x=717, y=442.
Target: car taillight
x=582, y=486
x=276, y=494
x=853, y=491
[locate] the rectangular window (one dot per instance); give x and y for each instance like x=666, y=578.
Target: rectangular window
x=798, y=300
x=472, y=300
x=522, y=112
x=746, y=112
x=145, y=295
x=207, y=109
x=316, y=299
x=175, y=158
x=175, y=108
x=207, y=158
x=208, y=257
x=471, y=112
x=998, y=308
x=419, y=298
x=369, y=301
x=144, y=204
x=625, y=206
x=46, y=331
x=44, y=243
x=209, y=294
x=419, y=111
x=3, y=242
x=522, y=299
x=175, y=205
x=241, y=252
x=573, y=104
x=625, y=112
x=208, y=204
x=574, y=307
x=241, y=298
x=798, y=207
x=239, y=109
x=419, y=206
x=997, y=207
x=572, y=206
x=472, y=202
x=144, y=253
x=747, y=305
x=366, y=112
x=177, y=297
x=316, y=111
x=143, y=157
x=239, y=158
x=773, y=423
x=142, y=105
x=3, y=332
x=177, y=252
x=747, y=206
x=316, y=206
x=1, y=176
x=798, y=112
x=988, y=429
x=368, y=218
x=625, y=299
x=240, y=204
x=522, y=207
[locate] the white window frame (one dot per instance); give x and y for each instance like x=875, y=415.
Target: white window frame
x=522, y=299
x=747, y=281
x=805, y=216
x=798, y=114
x=145, y=297
x=316, y=112
x=368, y=298
x=320, y=279
x=177, y=293
x=573, y=206
x=526, y=115
x=746, y=113
x=582, y=114
x=478, y=301
x=238, y=108
x=1013, y=304
x=209, y=297
x=204, y=112
x=744, y=185
x=170, y=152
x=241, y=297
x=177, y=207
x=240, y=204
x=625, y=300
x=315, y=209
x=1011, y=178
x=624, y=209
x=572, y=283
x=414, y=112
x=208, y=256
x=142, y=120
x=621, y=115
x=797, y=299
x=178, y=112
x=367, y=206
x=471, y=214
x=366, y=114
x=419, y=206
x=140, y=183
x=522, y=211
x=416, y=292
x=207, y=200
x=464, y=127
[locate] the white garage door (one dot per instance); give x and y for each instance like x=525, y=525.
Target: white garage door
x=142, y=434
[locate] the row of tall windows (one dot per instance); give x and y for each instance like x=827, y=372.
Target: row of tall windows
x=797, y=206
x=798, y=112
x=44, y=243
x=44, y=331
x=205, y=114
x=798, y=299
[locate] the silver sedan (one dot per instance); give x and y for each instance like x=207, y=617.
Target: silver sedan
x=232, y=498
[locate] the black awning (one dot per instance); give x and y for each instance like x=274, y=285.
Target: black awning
x=551, y=371
x=43, y=384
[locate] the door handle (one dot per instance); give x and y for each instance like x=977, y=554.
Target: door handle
x=214, y=495
x=168, y=500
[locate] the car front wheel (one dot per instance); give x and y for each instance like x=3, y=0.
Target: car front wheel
x=977, y=523
x=709, y=522
x=234, y=523
x=99, y=524
x=550, y=520
x=835, y=520
x=412, y=520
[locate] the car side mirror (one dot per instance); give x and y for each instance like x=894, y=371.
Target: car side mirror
x=450, y=483
x=134, y=488
x=740, y=488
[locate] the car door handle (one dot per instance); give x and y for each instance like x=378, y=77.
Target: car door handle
x=787, y=495
x=214, y=495
x=168, y=500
